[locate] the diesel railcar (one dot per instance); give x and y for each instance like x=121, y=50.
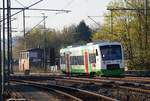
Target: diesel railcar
x=97, y=58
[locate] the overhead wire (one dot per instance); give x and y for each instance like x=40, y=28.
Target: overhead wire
x=67, y=5
x=20, y=3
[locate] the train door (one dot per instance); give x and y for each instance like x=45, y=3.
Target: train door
x=68, y=65
x=86, y=63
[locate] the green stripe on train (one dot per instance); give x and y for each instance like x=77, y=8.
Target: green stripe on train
x=104, y=72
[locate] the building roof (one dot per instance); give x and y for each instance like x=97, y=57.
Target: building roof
x=32, y=49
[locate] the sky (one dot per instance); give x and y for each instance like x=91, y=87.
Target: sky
x=80, y=9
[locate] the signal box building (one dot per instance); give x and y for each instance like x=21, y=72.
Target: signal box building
x=30, y=58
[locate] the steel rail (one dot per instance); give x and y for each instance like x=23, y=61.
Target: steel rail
x=115, y=80
x=132, y=79
x=85, y=92
x=16, y=96
x=135, y=89
x=47, y=88
x=59, y=92
x=120, y=85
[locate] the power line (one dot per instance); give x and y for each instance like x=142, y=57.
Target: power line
x=67, y=5
x=38, y=24
x=125, y=9
x=22, y=9
x=36, y=9
x=90, y=17
x=19, y=3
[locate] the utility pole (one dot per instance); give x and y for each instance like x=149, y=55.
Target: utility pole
x=111, y=21
x=8, y=39
x=24, y=22
x=24, y=31
x=128, y=31
x=3, y=67
x=146, y=23
x=11, y=41
x=44, y=32
x=0, y=63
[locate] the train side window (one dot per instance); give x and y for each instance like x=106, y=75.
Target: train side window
x=62, y=60
x=27, y=55
x=92, y=58
x=96, y=52
x=81, y=60
x=22, y=55
x=72, y=60
x=77, y=60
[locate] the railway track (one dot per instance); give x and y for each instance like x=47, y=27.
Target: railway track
x=126, y=89
x=142, y=80
x=124, y=86
x=72, y=93
x=23, y=92
x=105, y=86
x=128, y=79
x=133, y=82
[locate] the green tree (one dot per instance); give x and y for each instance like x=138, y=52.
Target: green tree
x=83, y=32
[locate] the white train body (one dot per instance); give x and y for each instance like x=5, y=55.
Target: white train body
x=102, y=58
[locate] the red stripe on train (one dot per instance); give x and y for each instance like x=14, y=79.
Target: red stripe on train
x=68, y=66
x=86, y=63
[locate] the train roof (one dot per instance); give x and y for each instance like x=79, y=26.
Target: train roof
x=100, y=43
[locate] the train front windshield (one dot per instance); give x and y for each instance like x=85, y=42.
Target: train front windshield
x=111, y=52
